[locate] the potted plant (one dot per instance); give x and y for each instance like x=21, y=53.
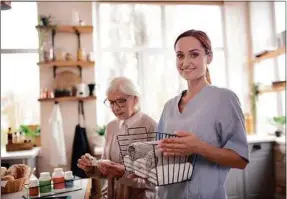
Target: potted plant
x=279, y=122
x=33, y=132
x=100, y=131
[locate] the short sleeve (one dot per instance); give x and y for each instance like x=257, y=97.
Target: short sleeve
x=232, y=129
x=160, y=125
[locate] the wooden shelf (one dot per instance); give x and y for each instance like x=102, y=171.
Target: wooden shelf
x=269, y=55
x=270, y=89
x=64, y=99
x=67, y=64
x=67, y=28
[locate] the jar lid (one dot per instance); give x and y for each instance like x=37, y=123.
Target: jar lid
x=69, y=174
x=34, y=182
x=58, y=169
x=45, y=174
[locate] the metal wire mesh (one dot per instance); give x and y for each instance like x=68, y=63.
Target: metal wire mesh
x=141, y=155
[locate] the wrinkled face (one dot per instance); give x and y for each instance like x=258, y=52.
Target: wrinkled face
x=191, y=59
x=123, y=106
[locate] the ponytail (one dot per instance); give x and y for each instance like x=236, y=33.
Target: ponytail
x=207, y=75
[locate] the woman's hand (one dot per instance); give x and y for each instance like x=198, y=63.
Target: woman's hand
x=86, y=163
x=185, y=144
x=113, y=169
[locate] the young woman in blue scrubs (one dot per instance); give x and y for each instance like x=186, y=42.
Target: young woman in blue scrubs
x=208, y=121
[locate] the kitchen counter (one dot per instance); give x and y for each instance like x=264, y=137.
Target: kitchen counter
x=27, y=157
x=25, y=154
x=74, y=195
x=265, y=138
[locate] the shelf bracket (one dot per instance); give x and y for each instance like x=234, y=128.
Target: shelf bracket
x=54, y=71
x=79, y=38
x=80, y=70
x=53, y=42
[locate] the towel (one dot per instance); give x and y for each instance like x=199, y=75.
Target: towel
x=140, y=169
x=58, y=154
x=152, y=158
x=128, y=163
x=170, y=173
x=138, y=150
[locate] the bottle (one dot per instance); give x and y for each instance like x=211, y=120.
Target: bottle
x=45, y=182
x=22, y=137
x=10, y=136
x=69, y=179
x=34, y=187
x=15, y=138
x=58, y=178
x=249, y=123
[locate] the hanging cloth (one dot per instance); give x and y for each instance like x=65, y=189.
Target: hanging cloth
x=80, y=144
x=57, y=143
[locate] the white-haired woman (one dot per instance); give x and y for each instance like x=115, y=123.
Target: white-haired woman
x=123, y=99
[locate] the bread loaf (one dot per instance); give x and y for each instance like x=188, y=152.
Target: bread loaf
x=19, y=171
x=7, y=178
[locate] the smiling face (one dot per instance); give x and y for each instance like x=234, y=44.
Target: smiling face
x=191, y=58
x=123, y=106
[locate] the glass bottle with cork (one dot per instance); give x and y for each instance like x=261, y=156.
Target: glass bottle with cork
x=10, y=136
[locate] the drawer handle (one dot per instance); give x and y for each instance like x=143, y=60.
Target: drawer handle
x=256, y=147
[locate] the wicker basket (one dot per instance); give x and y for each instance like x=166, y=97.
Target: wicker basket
x=14, y=186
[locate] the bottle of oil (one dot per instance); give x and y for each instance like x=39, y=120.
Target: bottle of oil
x=249, y=124
x=10, y=136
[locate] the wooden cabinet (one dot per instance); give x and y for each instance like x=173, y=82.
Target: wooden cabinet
x=280, y=170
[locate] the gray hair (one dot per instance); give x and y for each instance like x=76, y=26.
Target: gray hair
x=123, y=85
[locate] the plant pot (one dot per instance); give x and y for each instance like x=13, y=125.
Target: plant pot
x=91, y=89
x=278, y=133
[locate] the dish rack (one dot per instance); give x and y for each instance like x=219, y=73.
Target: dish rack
x=141, y=156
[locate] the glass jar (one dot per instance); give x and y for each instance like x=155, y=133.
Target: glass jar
x=69, y=179
x=45, y=182
x=58, y=178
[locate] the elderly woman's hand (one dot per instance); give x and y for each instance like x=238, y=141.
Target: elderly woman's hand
x=86, y=163
x=113, y=169
x=185, y=144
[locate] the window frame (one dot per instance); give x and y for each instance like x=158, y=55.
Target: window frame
x=164, y=49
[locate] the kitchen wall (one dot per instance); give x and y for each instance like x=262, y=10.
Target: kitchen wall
x=62, y=13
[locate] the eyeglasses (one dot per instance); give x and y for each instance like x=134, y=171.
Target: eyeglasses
x=119, y=102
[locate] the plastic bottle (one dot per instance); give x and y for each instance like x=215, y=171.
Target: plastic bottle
x=69, y=179
x=58, y=178
x=34, y=187
x=45, y=182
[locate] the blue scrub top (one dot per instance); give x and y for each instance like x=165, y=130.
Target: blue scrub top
x=216, y=117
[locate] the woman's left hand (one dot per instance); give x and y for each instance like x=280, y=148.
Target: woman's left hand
x=114, y=169
x=185, y=144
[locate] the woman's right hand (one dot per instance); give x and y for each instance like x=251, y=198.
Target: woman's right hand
x=86, y=163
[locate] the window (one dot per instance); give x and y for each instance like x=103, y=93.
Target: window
x=136, y=40
x=280, y=10
x=19, y=70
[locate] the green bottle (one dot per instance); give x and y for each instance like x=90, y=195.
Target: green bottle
x=45, y=182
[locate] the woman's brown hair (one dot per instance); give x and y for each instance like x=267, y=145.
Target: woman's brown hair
x=203, y=39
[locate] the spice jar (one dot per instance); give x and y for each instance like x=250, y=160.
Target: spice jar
x=58, y=178
x=69, y=179
x=81, y=54
x=34, y=187
x=45, y=182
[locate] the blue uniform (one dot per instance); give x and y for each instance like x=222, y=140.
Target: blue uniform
x=215, y=116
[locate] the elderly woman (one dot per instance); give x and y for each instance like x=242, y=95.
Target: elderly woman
x=123, y=99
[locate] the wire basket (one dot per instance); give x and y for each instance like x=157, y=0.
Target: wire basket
x=141, y=156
